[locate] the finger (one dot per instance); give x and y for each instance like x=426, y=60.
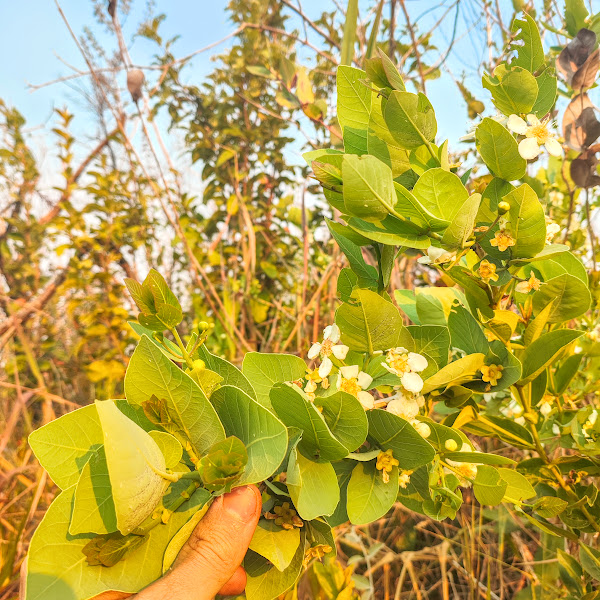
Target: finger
x=214, y=551
x=236, y=585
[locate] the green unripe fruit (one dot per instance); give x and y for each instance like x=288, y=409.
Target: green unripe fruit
x=503, y=207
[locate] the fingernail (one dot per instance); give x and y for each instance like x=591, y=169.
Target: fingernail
x=241, y=502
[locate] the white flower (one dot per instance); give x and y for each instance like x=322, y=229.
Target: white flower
x=412, y=382
x=551, y=230
x=354, y=381
x=329, y=346
x=407, y=365
x=466, y=471
x=555, y=429
x=403, y=406
x=545, y=408
x=537, y=134
x=436, y=256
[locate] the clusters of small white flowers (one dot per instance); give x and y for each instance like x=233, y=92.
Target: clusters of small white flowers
x=329, y=346
x=407, y=401
x=465, y=471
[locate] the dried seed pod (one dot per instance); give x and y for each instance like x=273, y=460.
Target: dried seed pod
x=135, y=81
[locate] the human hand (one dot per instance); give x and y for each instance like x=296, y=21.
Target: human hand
x=209, y=562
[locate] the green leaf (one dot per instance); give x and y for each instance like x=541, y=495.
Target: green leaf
x=527, y=42
x=466, y=332
x=263, y=434
x=482, y=458
x=545, y=351
x=575, y=15
x=371, y=324
x=518, y=487
x=513, y=91
x=412, y=209
x=369, y=498
x=65, y=445
x=93, y=506
x=265, y=581
x=457, y=372
x=295, y=410
x=499, y=151
x=590, y=560
x=391, y=232
x=441, y=193
x=368, y=187
x=277, y=545
x=394, y=433
x=461, y=227
x=410, y=119
x=393, y=76
x=536, y=326
x=169, y=446
x=264, y=370
x=547, y=85
x=434, y=304
x=347, y=280
x=489, y=487
x=353, y=108
x=433, y=341
x=366, y=274
x=495, y=190
x=133, y=458
x=181, y=537
x=343, y=470
x=350, y=25
x=231, y=375
x=569, y=295
x=63, y=572
x=223, y=464
x=312, y=485
x=549, y=506
x=151, y=373
x=527, y=222
x=345, y=418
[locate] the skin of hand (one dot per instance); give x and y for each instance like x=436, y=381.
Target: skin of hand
x=209, y=562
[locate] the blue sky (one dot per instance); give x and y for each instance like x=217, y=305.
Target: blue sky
x=198, y=23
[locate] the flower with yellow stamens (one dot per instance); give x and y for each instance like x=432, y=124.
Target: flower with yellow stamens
x=329, y=346
x=491, y=373
x=502, y=240
x=524, y=287
x=385, y=463
x=537, y=134
x=353, y=381
x=487, y=271
x=406, y=365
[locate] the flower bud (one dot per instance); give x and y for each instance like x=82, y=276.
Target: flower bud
x=423, y=429
x=503, y=207
x=203, y=326
x=451, y=445
x=199, y=365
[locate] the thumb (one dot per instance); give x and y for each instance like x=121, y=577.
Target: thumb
x=212, y=555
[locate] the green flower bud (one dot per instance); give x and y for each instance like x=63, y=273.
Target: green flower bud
x=503, y=207
x=203, y=326
x=199, y=365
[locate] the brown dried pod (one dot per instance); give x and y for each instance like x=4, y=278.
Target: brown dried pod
x=580, y=125
x=112, y=7
x=576, y=53
x=583, y=170
x=135, y=81
x=585, y=76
